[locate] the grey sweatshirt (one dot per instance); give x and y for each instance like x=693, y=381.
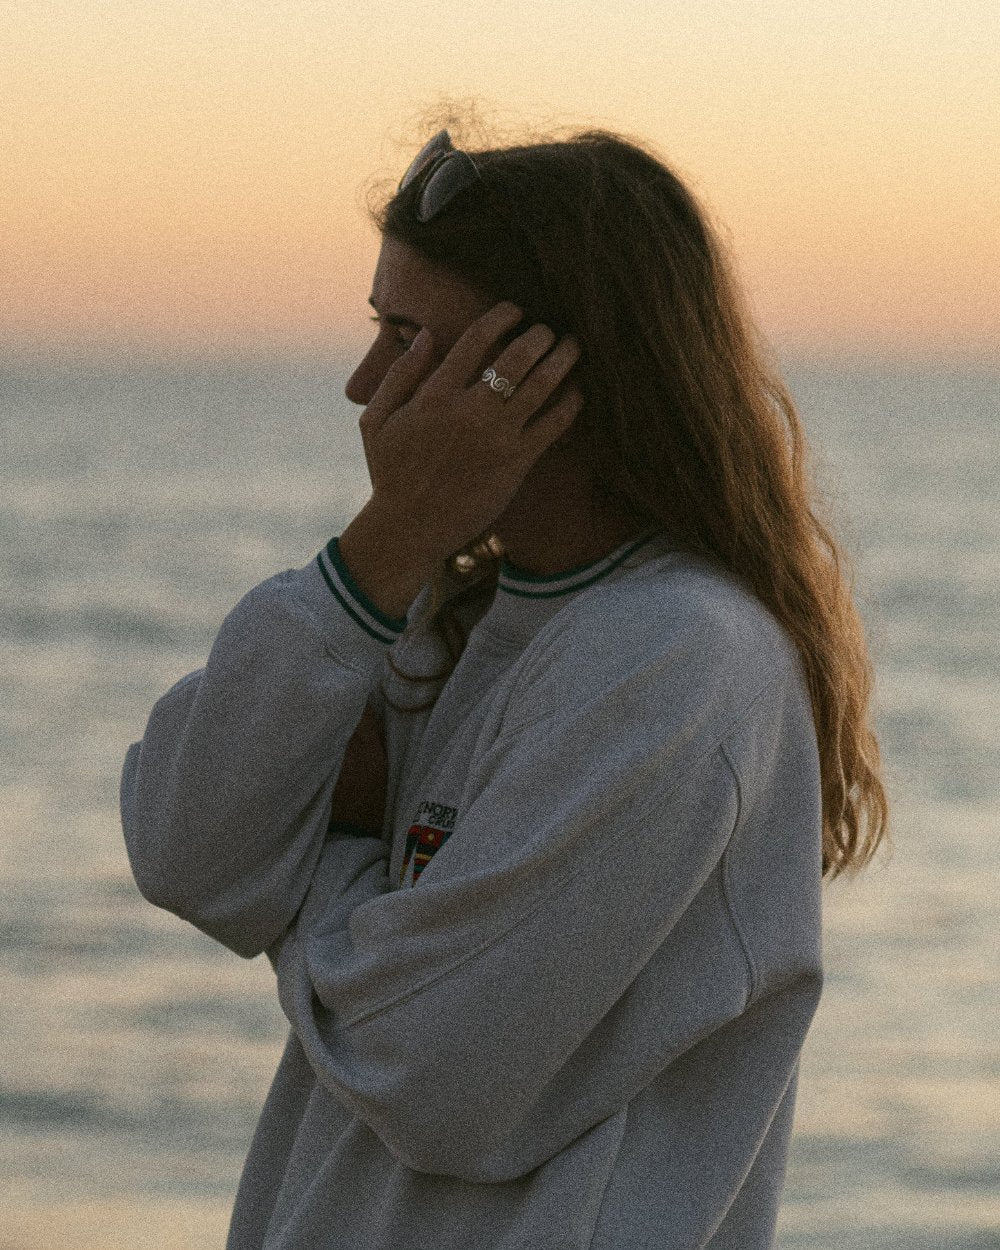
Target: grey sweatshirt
x=560, y=1002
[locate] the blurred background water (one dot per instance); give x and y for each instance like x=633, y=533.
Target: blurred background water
x=138, y=503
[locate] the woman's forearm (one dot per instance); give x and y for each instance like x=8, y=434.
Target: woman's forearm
x=226, y=801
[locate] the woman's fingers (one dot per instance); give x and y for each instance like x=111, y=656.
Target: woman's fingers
x=554, y=419
x=533, y=362
x=535, y=370
x=405, y=374
x=517, y=358
x=465, y=362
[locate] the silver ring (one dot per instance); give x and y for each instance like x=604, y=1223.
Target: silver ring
x=503, y=386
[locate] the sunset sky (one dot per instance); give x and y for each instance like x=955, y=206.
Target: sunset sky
x=189, y=175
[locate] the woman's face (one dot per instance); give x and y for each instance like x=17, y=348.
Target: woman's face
x=408, y=293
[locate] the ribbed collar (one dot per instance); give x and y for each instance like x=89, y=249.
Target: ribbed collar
x=525, y=601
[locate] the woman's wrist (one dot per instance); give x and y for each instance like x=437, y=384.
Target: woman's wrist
x=382, y=561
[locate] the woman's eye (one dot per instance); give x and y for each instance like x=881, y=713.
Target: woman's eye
x=403, y=337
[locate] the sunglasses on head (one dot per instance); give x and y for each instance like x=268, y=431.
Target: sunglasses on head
x=444, y=170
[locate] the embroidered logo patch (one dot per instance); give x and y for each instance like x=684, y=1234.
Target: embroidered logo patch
x=429, y=832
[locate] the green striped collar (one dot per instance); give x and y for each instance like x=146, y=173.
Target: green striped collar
x=515, y=581
x=522, y=604
x=525, y=601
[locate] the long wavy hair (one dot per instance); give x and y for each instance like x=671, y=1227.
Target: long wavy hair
x=686, y=422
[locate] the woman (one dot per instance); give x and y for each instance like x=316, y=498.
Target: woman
x=585, y=670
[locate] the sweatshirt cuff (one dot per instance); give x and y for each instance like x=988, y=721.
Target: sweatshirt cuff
x=328, y=590
x=353, y=599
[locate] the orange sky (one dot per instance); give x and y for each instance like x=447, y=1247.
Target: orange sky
x=189, y=176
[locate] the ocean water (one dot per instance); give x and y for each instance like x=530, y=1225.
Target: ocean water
x=138, y=503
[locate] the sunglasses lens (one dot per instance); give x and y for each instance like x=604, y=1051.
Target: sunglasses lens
x=454, y=174
x=432, y=149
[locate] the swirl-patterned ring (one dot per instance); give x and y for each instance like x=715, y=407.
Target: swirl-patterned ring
x=503, y=386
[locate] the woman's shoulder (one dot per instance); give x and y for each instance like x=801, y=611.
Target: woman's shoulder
x=677, y=620
x=674, y=600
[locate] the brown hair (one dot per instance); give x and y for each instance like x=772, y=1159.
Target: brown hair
x=689, y=423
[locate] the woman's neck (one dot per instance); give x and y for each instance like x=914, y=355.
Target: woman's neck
x=557, y=521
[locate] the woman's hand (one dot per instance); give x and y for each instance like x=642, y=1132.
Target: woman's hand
x=359, y=797
x=446, y=452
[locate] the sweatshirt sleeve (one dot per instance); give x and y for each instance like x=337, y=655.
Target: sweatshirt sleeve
x=475, y=1021
x=225, y=802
